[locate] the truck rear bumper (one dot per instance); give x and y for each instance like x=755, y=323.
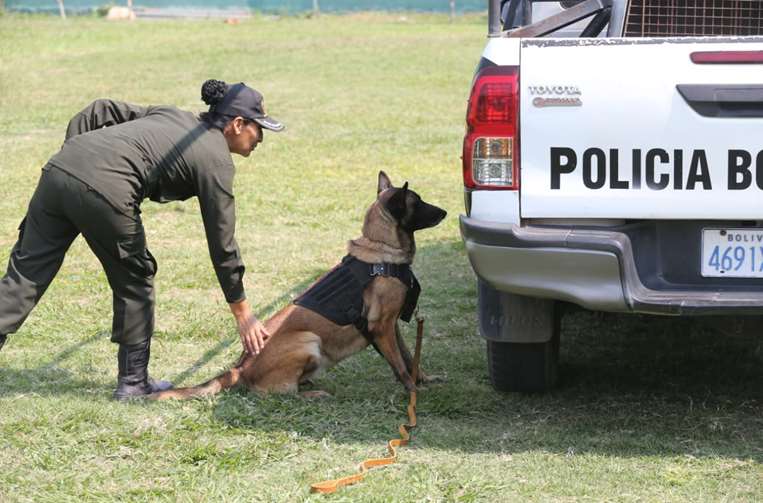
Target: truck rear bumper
x=589, y=267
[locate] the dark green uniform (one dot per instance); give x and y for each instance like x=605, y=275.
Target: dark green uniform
x=115, y=156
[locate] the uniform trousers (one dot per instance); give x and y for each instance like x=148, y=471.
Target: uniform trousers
x=61, y=208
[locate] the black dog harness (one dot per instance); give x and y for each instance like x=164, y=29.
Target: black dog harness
x=338, y=295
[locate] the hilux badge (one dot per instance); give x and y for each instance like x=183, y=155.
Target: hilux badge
x=555, y=96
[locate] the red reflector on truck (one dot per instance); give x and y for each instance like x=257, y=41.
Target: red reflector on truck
x=490, y=151
x=727, y=57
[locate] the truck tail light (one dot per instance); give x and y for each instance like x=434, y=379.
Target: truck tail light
x=491, y=144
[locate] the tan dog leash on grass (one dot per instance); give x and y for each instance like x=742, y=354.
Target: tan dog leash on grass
x=329, y=486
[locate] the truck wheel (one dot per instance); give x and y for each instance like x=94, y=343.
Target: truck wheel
x=522, y=339
x=525, y=367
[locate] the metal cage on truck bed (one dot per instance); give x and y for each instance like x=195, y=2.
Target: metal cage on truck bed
x=632, y=18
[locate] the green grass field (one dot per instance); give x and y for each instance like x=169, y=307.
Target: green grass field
x=649, y=410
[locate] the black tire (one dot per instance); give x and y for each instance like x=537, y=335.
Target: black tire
x=524, y=367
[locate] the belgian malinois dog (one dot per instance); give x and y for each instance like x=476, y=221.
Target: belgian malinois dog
x=303, y=342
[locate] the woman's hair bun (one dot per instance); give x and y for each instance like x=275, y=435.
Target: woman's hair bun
x=213, y=91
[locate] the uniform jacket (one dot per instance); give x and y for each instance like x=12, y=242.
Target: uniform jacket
x=128, y=153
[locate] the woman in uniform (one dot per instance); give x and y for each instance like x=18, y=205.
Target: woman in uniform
x=115, y=156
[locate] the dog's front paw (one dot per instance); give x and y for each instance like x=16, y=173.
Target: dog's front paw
x=424, y=379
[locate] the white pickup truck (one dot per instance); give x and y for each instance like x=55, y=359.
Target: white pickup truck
x=619, y=171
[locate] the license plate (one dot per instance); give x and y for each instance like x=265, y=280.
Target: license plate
x=735, y=253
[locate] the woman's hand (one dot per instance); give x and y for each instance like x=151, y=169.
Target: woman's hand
x=253, y=334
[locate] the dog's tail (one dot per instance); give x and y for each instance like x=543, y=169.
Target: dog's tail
x=224, y=381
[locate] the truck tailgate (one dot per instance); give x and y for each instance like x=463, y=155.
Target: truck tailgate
x=633, y=128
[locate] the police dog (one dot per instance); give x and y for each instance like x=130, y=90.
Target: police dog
x=303, y=342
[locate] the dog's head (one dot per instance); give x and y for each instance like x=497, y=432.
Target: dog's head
x=407, y=208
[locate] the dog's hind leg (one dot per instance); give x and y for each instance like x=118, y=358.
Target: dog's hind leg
x=297, y=361
x=286, y=378
x=312, y=368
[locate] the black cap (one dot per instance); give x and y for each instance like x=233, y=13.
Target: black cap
x=242, y=100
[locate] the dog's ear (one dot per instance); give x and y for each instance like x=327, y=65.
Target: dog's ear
x=396, y=204
x=384, y=182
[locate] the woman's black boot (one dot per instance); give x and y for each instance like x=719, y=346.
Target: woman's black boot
x=2, y=340
x=133, y=380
